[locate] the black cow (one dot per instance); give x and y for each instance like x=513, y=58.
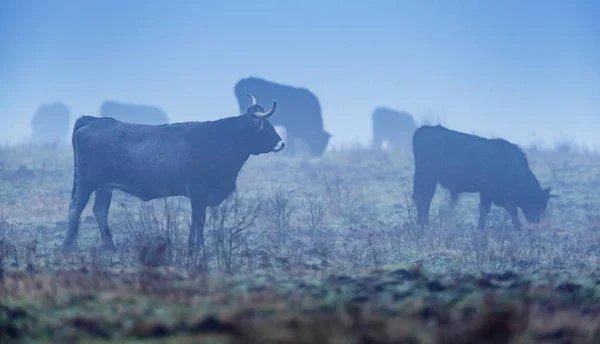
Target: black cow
x=300, y=112
x=199, y=160
x=50, y=123
x=495, y=168
x=133, y=113
x=393, y=127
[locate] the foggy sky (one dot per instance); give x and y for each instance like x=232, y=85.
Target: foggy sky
x=505, y=68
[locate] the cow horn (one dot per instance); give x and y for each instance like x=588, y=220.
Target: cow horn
x=268, y=113
x=253, y=99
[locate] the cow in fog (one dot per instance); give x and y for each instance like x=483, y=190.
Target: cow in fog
x=50, y=123
x=133, y=113
x=199, y=160
x=495, y=168
x=392, y=127
x=299, y=113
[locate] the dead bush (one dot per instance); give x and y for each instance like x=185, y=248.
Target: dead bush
x=343, y=196
x=155, y=235
x=228, y=225
x=312, y=216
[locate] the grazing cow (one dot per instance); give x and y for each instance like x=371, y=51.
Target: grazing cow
x=495, y=168
x=300, y=112
x=50, y=123
x=199, y=160
x=393, y=127
x=133, y=113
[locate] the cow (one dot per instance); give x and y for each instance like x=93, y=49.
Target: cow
x=198, y=160
x=300, y=112
x=495, y=168
x=133, y=113
x=50, y=123
x=392, y=127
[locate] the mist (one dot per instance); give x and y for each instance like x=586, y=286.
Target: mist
x=525, y=71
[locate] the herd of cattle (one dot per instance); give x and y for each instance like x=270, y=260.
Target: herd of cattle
x=133, y=148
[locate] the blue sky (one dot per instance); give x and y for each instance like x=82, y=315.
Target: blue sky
x=523, y=70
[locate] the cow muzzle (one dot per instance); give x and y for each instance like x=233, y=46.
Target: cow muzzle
x=279, y=146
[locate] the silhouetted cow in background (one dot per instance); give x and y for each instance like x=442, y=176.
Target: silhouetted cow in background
x=495, y=168
x=394, y=128
x=199, y=160
x=50, y=123
x=133, y=113
x=299, y=113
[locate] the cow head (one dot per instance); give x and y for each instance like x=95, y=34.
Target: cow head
x=261, y=135
x=317, y=141
x=535, y=207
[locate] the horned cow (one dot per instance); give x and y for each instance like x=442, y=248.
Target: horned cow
x=198, y=160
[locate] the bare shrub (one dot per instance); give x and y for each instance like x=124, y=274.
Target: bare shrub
x=291, y=231
x=7, y=247
x=375, y=255
x=313, y=215
x=369, y=246
x=476, y=248
x=406, y=224
x=324, y=249
x=279, y=211
x=343, y=196
x=406, y=230
x=352, y=248
x=279, y=215
x=156, y=236
x=227, y=226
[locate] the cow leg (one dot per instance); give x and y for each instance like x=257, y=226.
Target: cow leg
x=196, y=237
x=80, y=198
x=101, y=208
x=453, y=203
x=484, y=208
x=453, y=200
x=423, y=191
x=514, y=215
x=74, y=189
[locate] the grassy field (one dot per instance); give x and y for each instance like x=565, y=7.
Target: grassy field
x=306, y=251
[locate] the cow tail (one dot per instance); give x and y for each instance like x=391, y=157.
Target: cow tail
x=79, y=123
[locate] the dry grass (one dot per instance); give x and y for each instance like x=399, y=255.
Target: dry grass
x=306, y=251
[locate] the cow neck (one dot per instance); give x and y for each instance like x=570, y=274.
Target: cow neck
x=235, y=150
